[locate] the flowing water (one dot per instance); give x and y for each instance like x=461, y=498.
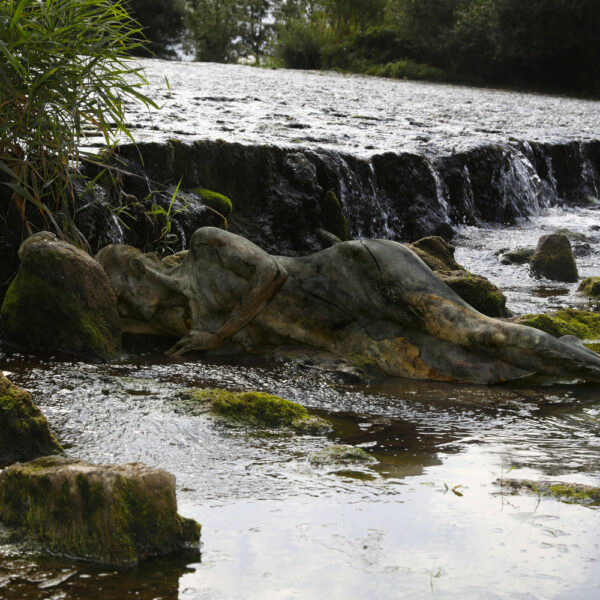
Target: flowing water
x=427, y=519
x=357, y=114
x=481, y=250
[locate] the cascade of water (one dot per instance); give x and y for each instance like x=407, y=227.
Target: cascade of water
x=590, y=180
x=441, y=191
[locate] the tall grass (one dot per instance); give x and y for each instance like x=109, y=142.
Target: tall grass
x=64, y=71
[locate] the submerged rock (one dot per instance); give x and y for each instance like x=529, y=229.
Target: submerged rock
x=110, y=514
x=61, y=299
x=346, y=368
x=24, y=431
x=340, y=454
x=590, y=287
x=575, y=493
x=553, y=259
x=258, y=408
x=520, y=256
x=478, y=291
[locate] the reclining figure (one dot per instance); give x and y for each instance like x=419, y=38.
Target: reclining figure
x=374, y=298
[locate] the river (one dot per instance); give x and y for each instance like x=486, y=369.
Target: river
x=428, y=519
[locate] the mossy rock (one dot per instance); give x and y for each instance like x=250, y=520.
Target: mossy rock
x=111, y=514
x=61, y=299
x=477, y=291
x=340, y=454
x=590, y=287
x=553, y=259
x=574, y=493
x=222, y=204
x=583, y=325
x=436, y=253
x=573, y=236
x=260, y=409
x=520, y=256
x=24, y=431
x=332, y=216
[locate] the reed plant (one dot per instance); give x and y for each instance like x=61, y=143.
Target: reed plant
x=65, y=73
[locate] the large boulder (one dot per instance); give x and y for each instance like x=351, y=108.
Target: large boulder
x=61, y=299
x=478, y=291
x=24, y=431
x=553, y=259
x=111, y=514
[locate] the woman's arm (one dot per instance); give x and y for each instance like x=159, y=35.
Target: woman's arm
x=245, y=260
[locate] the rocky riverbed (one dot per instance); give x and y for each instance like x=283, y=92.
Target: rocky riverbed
x=428, y=514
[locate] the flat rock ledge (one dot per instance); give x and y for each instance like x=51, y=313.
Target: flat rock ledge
x=117, y=515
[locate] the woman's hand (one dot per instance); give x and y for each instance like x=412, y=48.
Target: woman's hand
x=195, y=340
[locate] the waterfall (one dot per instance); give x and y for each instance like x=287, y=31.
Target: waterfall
x=278, y=193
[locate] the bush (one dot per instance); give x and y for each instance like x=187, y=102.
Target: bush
x=408, y=69
x=300, y=44
x=64, y=70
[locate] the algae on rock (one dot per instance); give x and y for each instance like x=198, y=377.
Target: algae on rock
x=24, y=431
x=337, y=454
x=111, y=514
x=590, y=286
x=574, y=493
x=260, y=409
x=583, y=325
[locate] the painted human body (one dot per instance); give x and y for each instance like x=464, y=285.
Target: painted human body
x=372, y=297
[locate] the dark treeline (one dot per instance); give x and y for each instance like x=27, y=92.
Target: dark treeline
x=550, y=45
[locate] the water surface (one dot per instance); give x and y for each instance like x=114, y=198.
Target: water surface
x=351, y=113
x=425, y=521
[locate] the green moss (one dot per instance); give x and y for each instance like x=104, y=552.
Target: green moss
x=24, y=431
x=590, y=287
x=582, y=324
x=222, y=204
x=333, y=216
x=477, y=291
x=94, y=513
x=341, y=454
x=258, y=408
x=565, y=492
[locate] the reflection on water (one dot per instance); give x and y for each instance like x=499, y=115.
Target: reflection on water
x=424, y=521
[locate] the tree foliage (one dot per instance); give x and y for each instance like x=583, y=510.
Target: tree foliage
x=163, y=23
x=213, y=28
x=544, y=44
